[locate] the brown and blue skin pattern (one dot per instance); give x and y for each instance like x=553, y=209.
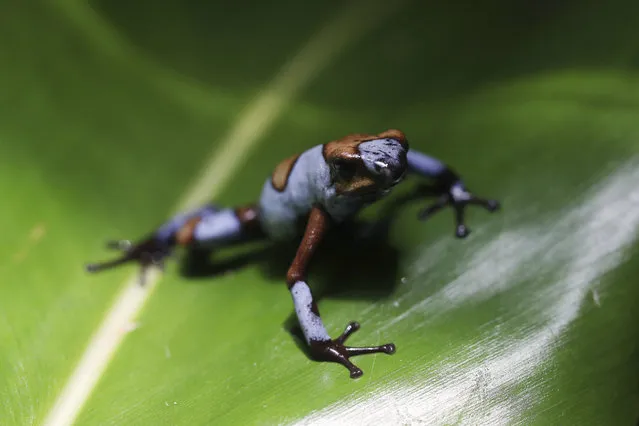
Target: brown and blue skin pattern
x=304, y=198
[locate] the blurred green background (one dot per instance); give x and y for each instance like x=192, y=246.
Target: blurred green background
x=110, y=109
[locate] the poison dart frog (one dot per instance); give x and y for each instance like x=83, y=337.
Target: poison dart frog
x=304, y=198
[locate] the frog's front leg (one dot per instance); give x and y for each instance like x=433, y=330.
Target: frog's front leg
x=449, y=188
x=321, y=346
x=209, y=226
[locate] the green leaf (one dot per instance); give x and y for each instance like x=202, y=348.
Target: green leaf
x=112, y=110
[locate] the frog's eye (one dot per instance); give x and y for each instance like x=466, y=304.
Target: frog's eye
x=344, y=170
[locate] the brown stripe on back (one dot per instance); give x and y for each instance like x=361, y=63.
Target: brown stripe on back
x=279, y=178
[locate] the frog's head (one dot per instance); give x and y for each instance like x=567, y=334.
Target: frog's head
x=367, y=165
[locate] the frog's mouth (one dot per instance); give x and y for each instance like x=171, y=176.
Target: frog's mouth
x=370, y=187
x=372, y=193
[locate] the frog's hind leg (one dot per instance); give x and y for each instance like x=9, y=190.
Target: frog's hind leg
x=203, y=234
x=213, y=227
x=206, y=228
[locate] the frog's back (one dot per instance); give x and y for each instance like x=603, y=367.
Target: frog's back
x=290, y=192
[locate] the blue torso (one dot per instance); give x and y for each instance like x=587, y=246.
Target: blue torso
x=309, y=184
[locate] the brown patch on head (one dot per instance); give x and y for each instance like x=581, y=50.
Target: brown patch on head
x=346, y=147
x=279, y=178
x=345, y=151
x=397, y=135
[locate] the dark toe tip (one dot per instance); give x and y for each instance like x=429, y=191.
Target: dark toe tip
x=462, y=231
x=493, y=205
x=354, y=325
x=356, y=373
x=389, y=348
x=91, y=267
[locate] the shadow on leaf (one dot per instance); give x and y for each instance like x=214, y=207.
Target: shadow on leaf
x=356, y=261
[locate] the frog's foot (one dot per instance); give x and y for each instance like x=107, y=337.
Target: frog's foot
x=149, y=252
x=335, y=351
x=458, y=198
